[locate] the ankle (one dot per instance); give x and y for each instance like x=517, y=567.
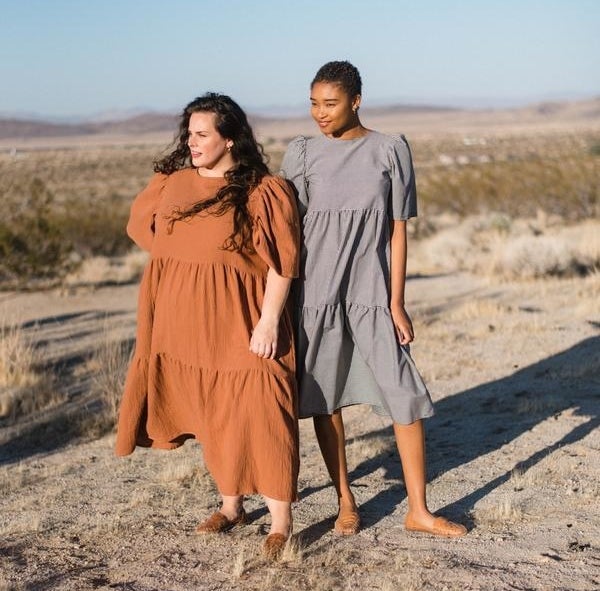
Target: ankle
x=347, y=500
x=283, y=527
x=231, y=510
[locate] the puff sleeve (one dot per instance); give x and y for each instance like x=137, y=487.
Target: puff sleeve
x=293, y=169
x=276, y=228
x=140, y=226
x=402, y=175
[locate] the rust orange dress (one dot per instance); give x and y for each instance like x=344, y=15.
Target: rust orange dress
x=192, y=374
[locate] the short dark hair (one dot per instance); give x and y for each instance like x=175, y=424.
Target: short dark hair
x=342, y=73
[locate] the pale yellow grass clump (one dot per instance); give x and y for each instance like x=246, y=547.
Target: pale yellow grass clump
x=23, y=388
x=497, y=246
x=103, y=270
x=505, y=511
x=521, y=479
x=108, y=365
x=17, y=357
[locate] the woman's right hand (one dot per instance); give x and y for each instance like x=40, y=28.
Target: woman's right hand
x=403, y=325
x=264, y=338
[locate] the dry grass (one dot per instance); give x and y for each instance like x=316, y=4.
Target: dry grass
x=24, y=387
x=17, y=359
x=522, y=479
x=559, y=175
x=293, y=550
x=522, y=249
x=109, y=270
x=109, y=365
x=504, y=512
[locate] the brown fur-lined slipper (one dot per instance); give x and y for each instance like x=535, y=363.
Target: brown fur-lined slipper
x=217, y=523
x=273, y=546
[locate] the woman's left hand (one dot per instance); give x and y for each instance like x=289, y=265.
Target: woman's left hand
x=403, y=325
x=264, y=338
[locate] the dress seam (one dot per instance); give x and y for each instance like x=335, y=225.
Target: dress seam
x=204, y=368
x=346, y=210
x=349, y=304
x=207, y=264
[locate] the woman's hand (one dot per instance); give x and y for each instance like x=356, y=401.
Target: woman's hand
x=403, y=325
x=264, y=338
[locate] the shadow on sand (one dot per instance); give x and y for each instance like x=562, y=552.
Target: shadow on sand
x=481, y=420
x=50, y=429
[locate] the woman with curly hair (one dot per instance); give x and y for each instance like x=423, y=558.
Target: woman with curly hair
x=356, y=189
x=214, y=357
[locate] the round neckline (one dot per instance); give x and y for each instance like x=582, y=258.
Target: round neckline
x=349, y=140
x=207, y=178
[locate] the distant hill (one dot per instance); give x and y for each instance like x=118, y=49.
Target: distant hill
x=30, y=128
x=151, y=122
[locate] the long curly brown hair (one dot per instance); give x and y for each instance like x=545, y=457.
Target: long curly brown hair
x=250, y=166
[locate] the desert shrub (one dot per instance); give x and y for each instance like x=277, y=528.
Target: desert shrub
x=44, y=239
x=514, y=249
x=32, y=243
x=595, y=149
x=96, y=227
x=569, y=187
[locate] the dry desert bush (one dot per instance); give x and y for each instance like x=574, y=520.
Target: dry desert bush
x=500, y=246
x=108, y=367
x=25, y=387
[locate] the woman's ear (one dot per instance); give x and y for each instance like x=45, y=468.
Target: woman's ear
x=356, y=103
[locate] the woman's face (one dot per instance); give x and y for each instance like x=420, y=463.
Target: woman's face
x=332, y=108
x=208, y=148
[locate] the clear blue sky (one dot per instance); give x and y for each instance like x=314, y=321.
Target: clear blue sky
x=80, y=57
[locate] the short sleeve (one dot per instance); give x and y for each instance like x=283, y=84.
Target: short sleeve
x=140, y=226
x=293, y=169
x=276, y=229
x=403, y=187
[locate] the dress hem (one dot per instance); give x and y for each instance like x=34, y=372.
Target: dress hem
x=379, y=410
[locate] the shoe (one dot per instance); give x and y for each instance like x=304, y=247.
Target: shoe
x=441, y=527
x=273, y=546
x=347, y=522
x=217, y=523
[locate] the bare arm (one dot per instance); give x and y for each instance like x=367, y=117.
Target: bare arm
x=265, y=333
x=398, y=248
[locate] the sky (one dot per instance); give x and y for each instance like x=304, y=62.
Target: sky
x=80, y=58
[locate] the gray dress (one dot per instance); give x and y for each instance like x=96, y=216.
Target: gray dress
x=348, y=353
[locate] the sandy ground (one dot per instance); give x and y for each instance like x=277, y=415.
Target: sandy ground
x=513, y=453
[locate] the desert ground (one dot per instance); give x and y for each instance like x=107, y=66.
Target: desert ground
x=504, y=292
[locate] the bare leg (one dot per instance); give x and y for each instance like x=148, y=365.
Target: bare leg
x=332, y=441
x=281, y=528
x=281, y=516
x=410, y=440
